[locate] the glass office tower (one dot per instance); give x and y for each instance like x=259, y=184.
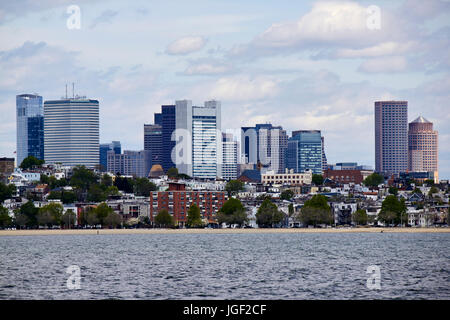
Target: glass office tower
x=30, y=127
x=304, y=151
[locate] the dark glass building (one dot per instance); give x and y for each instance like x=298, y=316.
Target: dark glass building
x=30, y=127
x=304, y=151
x=167, y=120
x=153, y=141
x=104, y=148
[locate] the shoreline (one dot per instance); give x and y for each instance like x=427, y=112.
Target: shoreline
x=215, y=231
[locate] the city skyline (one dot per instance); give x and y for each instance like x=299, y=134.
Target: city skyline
x=250, y=57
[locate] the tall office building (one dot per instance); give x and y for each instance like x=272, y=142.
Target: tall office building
x=71, y=132
x=130, y=163
x=199, y=148
x=423, y=146
x=153, y=141
x=305, y=151
x=265, y=145
x=324, y=157
x=391, y=136
x=230, y=157
x=104, y=149
x=30, y=127
x=157, y=119
x=167, y=120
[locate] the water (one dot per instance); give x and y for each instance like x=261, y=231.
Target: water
x=226, y=266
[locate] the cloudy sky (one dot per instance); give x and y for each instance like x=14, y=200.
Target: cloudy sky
x=299, y=64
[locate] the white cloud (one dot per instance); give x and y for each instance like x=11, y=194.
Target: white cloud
x=186, y=45
x=206, y=68
x=243, y=88
x=382, y=49
x=384, y=65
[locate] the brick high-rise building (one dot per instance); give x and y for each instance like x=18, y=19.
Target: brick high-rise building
x=423, y=146
x=391, y=136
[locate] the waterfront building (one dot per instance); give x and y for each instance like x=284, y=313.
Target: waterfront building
x=29, y=126
x=423, y=147
x=130, y=163
x=104, y=149
x=71, y=132
x=391, y=136
x=177, y=201
x=305, y=151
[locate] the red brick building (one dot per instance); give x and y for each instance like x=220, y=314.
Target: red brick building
x=176, y=200
x=347, y=176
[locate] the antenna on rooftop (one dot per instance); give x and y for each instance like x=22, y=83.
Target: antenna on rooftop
x=66, y=90
x=73, y=90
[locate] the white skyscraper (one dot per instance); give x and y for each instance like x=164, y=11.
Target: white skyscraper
x=71, y=132
x=230, y=157
x=198, y=152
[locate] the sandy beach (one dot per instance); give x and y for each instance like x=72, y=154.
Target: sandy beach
x=216, y=231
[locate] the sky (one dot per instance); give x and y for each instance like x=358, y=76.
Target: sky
x=299, y=64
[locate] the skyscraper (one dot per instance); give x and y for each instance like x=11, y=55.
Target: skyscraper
x=153, y=141
x=104, y=149
x=30, y=127
x=305, y=151
x=230, y=157
x=423, y=146
x=167, y=119
x=199, y=149
x=391, y=136
x=265, y=145
x=71, y=132
x=133, y=163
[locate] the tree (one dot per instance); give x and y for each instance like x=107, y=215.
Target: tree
x=50, y=214
x=164, y=219
x=5, y=219
x=287, y=194
x=317, y=179
x=102, y=211
x=360, y=217
x=83, y=178
x=68, y=218
x=291, y=209
x=429, y=182
x=124, y=184
x=96, y=194
x=106, y=180
x=194, y=218
x=89, y=217
x=6, y=191
x=232, y=212
x=172, y=173
x=234, y=186
x=30, y=212
x=432, y=191
x=30, y=162
x=393, y=191
x=373, y=180
x=112, y=220
x=417, y=191
x=392, y=210
x=268, y=215
x=143, y=187
x=112, y=191
x=316, y=211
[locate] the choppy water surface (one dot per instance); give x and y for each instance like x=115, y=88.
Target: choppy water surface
x=226, y=266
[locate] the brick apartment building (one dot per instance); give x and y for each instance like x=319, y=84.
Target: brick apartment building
x=347, y=176
x=176, y=200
